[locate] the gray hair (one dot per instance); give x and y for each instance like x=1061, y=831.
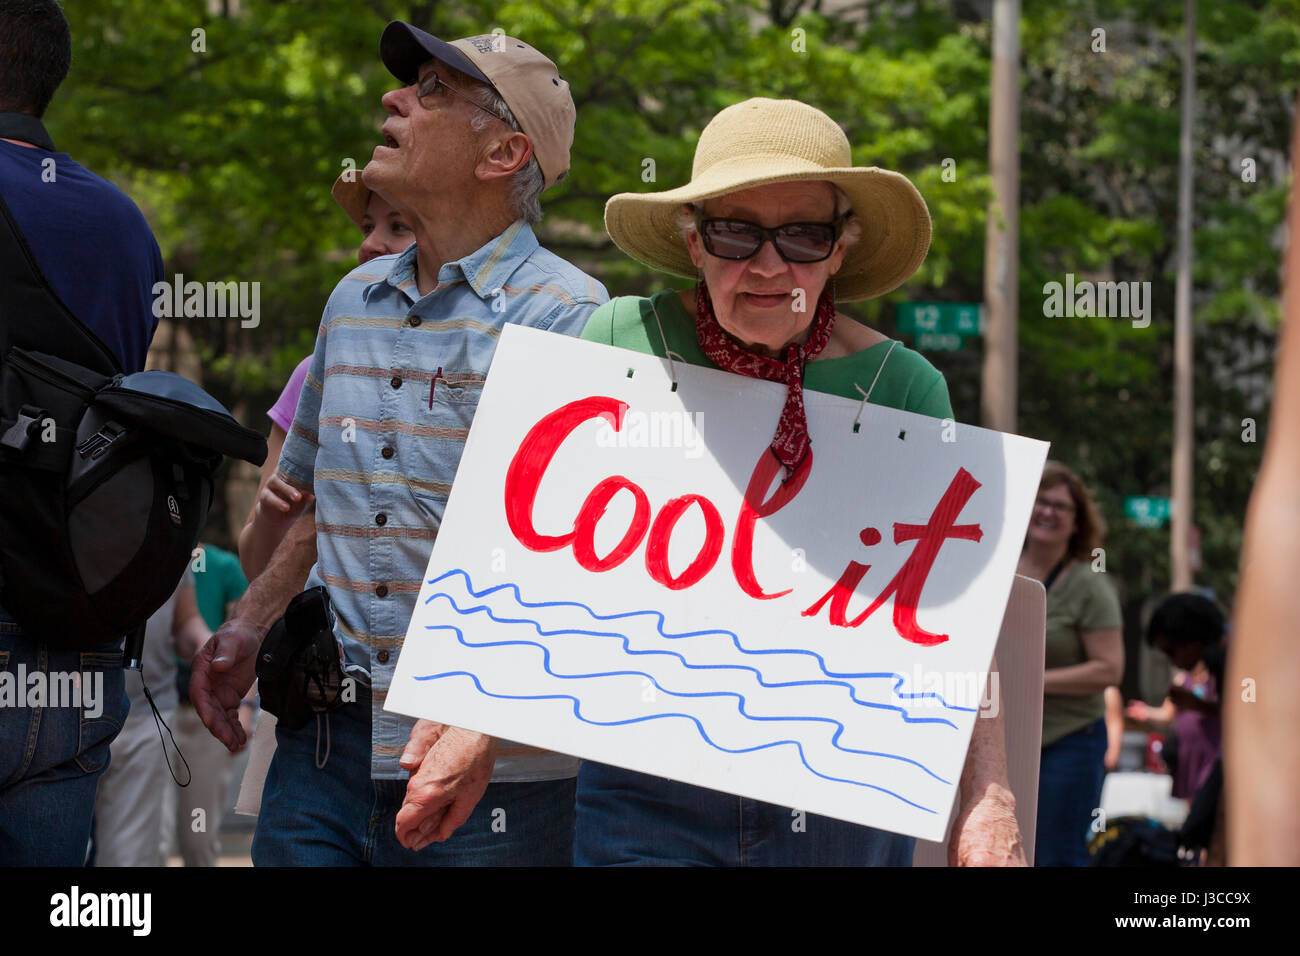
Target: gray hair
x=850, y=233
x=526, y=185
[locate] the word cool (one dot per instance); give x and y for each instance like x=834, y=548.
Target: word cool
x=529, y=464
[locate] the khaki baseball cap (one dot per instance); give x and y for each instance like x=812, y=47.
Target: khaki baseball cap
x=529, y=83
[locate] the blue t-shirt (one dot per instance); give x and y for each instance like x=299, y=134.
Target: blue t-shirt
x=91, y=242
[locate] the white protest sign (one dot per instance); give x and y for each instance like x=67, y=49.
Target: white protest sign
x=622, y=576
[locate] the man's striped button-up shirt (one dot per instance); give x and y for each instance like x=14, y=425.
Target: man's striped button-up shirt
x=379, y=431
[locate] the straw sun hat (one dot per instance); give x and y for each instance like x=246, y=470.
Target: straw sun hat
x=352, y=194
x=762, y=141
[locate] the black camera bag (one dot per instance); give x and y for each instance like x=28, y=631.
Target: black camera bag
x=300, y=665
x=105, y=478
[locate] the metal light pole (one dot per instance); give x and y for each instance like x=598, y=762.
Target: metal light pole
x=1002, y=237
x=1181, y=522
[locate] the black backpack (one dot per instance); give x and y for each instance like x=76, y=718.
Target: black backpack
x=1134, y=841
x=105, y=478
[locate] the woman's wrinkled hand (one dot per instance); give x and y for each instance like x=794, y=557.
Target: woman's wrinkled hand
x=986, y=832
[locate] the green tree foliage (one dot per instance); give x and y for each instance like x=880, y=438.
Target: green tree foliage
x=1099, y=183
x=231, y=151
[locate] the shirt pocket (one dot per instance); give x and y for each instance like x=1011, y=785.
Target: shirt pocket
x=445, y=424
x=455, y=399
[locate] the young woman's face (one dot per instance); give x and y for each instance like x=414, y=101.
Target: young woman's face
x=1052, y=521
x=386, y=230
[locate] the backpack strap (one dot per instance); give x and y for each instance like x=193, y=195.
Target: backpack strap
x=25, y=292
x=24, y=440
x=18, y=433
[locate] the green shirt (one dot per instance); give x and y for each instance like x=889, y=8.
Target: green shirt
x=908, y=382
x=1081, y=600
x=220, y=582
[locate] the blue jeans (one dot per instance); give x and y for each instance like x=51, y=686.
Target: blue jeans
x=1069, y=793
x=634, y=819
x=338, y=816
x=52, y=753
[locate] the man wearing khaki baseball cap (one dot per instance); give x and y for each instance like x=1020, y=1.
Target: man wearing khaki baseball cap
x=529, y=84
x=478, y=129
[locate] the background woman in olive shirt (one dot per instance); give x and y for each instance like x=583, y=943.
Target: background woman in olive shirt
x=1085, y=655
x=776, y=215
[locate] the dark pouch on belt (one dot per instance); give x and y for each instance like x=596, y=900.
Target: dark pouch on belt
x=300, y=664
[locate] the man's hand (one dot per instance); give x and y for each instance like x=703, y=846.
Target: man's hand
x=986, y=832
x=224, y=669
x=452, y=768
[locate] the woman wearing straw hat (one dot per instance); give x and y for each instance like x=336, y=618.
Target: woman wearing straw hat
x=776, y=225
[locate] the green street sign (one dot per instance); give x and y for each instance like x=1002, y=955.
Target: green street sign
x=939, y=342
x=1147, y=512
x=940, y=318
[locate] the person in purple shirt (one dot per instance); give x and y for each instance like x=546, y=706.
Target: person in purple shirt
x=100, y=258
x=278, y=504
x=1189, y=628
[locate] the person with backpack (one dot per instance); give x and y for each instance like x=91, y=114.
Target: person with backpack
x=100, y=258
x=106, y=471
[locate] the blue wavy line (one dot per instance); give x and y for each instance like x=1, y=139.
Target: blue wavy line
x=698, y=726
x=907, y=718
x=899, y=679
x=740, y=699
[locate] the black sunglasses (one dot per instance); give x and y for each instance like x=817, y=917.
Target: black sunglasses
x=800, y=242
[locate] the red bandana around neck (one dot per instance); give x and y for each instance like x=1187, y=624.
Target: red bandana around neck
x=791, y=444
